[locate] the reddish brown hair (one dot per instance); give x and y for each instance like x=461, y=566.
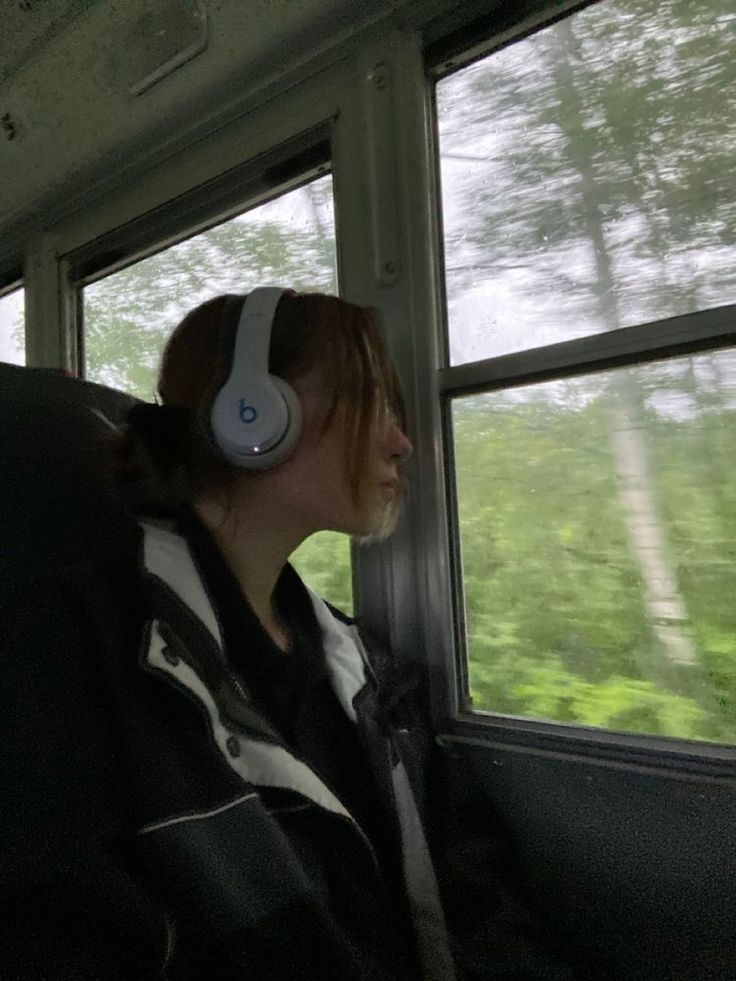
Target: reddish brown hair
x=310, y=330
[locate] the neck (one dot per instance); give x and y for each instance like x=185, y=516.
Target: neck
x=256, y=540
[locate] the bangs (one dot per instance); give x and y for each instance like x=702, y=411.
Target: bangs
x=365, y=387
x=346, y=343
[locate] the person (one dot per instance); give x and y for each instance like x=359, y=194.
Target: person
x=330, y=900
x=231, y=795
x=217, y=774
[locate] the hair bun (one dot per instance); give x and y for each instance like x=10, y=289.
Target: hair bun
x=163, y=429
x=150, y=417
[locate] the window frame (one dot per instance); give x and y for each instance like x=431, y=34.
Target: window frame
x=11, y=280
x=707, y=330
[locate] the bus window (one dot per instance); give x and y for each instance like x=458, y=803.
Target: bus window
x=586, y=190
x=12, y=327
x=128, y=315
x=586, y=177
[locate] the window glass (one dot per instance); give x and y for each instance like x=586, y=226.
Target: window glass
x=587, y=176
x=598, y=538
x=129, y=315
x=324, y=562
x=12, y=327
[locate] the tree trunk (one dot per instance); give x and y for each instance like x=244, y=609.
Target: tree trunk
x=663, y=602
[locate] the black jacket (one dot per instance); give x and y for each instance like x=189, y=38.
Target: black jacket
x=99, y=745
x=165, y=830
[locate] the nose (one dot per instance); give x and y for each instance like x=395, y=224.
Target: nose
x=399, y=446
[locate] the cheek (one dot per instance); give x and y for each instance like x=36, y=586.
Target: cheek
x=322, y=469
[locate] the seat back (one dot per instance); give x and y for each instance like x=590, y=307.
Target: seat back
x=57, y=502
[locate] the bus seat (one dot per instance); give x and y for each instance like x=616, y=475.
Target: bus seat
x=56, y=499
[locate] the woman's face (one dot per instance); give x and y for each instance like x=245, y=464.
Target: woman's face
x=315, y=480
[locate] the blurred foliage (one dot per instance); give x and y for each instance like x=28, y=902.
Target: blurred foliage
x=585, y=176
x=585, y=186
x=323, y=561
x=129, y=315
x=556, y=619
x=12, y=327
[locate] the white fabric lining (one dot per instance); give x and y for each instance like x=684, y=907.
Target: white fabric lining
x=421, y=882
x=343, y=655
x=167, y=556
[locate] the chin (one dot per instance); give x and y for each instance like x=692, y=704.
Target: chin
x=374, y=522
x=362, y=529
x=379, y=525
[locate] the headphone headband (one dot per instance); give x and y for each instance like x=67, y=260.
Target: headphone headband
x=253, y=337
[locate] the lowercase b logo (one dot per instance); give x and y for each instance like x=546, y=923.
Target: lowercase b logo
x=246, y=412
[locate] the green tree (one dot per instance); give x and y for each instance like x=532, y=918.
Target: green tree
x=555, y=620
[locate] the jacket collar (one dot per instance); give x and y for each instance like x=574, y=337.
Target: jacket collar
x=167, y=556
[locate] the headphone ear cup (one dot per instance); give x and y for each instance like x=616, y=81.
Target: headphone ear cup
x=256, y=424
x=290, y=409
x=288, y=443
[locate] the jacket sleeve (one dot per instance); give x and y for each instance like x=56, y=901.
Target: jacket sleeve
x=69, y=908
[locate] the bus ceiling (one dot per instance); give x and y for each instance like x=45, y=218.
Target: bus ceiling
x=93, y=87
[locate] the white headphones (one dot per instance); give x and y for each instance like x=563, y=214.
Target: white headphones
x=256, y=418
